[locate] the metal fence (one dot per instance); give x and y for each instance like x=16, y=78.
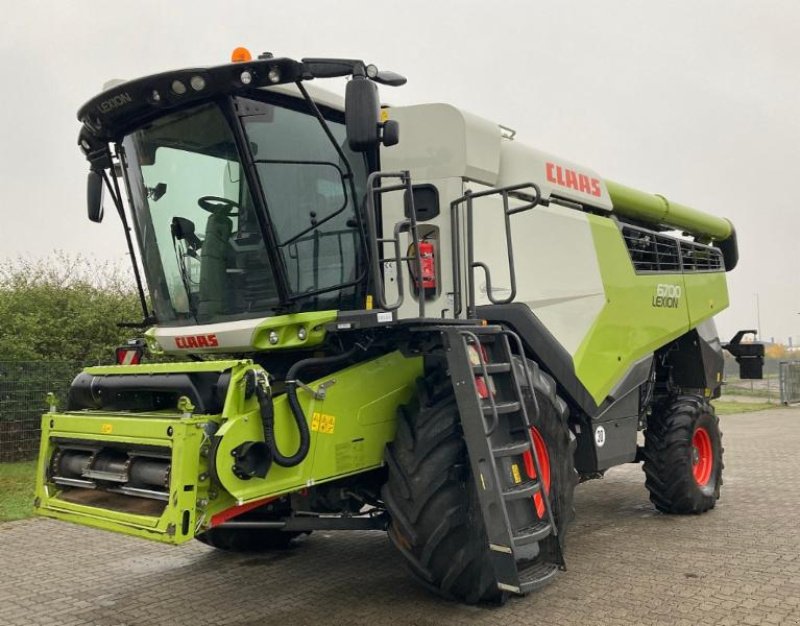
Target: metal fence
x=790, y=382
x=24, y=386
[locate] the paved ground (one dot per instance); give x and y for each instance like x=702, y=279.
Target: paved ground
x=739, y=564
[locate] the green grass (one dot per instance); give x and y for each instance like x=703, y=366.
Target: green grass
x=728, y=408
x=16, y=490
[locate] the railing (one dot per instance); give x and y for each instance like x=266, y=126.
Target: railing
x=376, y=243
x=24, y=386
x=789, y=377
x=316, y=238
x=530, y=196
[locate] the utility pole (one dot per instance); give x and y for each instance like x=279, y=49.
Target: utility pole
x=758, y=316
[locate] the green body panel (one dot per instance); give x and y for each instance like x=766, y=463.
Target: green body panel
x=184, y=441
x=656, y=209
x=706, y=295
x=630, y=327
x=169, y=368
x=287, y=327
x=349, y=430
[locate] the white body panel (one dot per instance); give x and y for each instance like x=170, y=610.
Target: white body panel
x=234, y=336
x=557, y=271
x=553, y=175
x=441, y=141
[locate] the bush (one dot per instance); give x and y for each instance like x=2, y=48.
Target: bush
x=64, y=308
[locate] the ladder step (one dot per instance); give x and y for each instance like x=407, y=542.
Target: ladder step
x=512, y=449
x=493, y=368
x=533, y=533
x=525, y=490
x=536, y=576
x=502, y=407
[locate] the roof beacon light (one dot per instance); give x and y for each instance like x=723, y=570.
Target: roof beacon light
x=240, y=55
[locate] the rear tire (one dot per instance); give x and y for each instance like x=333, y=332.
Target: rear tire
x=436, y=521
x=683, y=456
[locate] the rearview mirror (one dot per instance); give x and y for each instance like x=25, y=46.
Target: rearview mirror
x=94, y=196
x=362, y=114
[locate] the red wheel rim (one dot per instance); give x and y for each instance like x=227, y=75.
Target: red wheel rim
x=702, y=456
x=544, y=463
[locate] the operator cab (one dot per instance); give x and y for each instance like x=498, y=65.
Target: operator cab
x=245, y=198
x=212, y=262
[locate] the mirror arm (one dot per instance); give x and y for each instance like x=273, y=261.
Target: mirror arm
x=318, y=114
x=116, y=196
x=349, y=175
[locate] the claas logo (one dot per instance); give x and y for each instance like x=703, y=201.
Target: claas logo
x=565, y=177
x=196, y=341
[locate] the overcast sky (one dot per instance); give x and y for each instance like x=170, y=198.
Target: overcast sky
x=697, y=100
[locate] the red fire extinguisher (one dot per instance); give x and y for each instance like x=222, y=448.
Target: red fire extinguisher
x=427, y=262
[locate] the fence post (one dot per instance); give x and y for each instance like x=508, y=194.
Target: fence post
x=789, y=380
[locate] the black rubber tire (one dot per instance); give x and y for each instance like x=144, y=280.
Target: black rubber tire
x=436, y=522
x=668, y=455
x=247, y=539
x=252, y=539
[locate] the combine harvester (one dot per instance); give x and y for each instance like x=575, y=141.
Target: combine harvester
x=438, y=335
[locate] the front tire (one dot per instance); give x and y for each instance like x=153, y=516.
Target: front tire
x=436, y=520
x=683, y=456
x=247, y=539
x=232, y=539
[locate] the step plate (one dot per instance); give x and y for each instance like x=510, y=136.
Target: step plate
x=537, y=576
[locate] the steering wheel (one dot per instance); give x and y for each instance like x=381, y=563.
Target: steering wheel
x=218, y=206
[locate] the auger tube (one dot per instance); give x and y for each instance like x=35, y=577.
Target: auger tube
x=656, y=209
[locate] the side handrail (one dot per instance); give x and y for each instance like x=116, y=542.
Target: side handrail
x=376, y=243
x=530, y=196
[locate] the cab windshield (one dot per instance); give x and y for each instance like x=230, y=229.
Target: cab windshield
x=202, y=232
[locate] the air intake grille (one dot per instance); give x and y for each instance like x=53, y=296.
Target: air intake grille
x=654, y=252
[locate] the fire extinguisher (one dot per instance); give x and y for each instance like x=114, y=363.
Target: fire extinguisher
x=427, y=262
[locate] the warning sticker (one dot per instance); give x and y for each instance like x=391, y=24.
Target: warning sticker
x=107, y=429
x=323, y=423
x=515, y=473
x=349, y=455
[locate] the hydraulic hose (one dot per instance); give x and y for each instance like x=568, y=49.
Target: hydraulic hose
x=268, y=415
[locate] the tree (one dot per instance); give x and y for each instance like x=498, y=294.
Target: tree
x=776, y=352
x=64, y=308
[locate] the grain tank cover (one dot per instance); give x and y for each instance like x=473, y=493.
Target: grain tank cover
x=442, y=141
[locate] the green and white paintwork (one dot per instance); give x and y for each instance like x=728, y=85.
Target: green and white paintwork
x=573, y=271
x=358, y=414
x=572, y=265
x=295, y=331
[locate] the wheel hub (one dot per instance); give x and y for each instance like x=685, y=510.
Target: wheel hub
x=702, y=456
x=544, y=463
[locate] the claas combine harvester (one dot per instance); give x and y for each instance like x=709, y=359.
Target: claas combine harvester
x=384, y=318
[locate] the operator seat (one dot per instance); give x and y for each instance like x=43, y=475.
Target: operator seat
x=212, y=266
